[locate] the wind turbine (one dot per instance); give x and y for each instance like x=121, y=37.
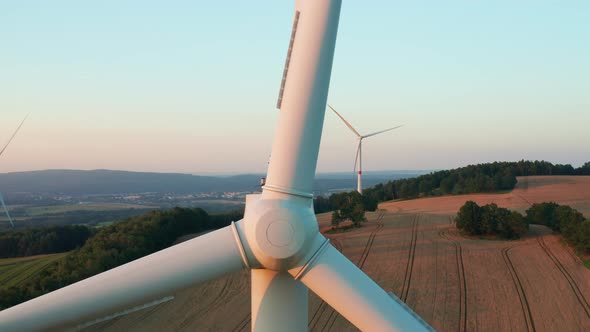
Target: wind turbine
x=1, y=152
x=278, y=239
x=359, y=154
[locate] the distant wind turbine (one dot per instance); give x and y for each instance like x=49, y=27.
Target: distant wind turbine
x=359, y=158
x=1, y=152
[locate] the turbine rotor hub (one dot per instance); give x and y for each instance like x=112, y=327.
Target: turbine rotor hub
x=278, y=232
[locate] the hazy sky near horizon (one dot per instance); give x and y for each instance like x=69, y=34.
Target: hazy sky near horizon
x=191, y=86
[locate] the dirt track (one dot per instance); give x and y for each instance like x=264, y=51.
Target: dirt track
x=412, y=249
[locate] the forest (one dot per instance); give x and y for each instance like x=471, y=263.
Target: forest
x=493, y=220
x=563, y=219
x=488, y=177
x=43, y=240
x=490, y=220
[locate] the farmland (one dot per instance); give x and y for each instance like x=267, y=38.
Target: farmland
x=412, y=249
x=16, y=271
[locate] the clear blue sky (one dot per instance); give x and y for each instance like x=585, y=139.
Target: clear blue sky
x=190, y=86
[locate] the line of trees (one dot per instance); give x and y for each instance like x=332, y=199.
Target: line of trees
x=493, y=220
x=562, y=219
x=115, y=245
x=43, y=240
x=488, y=177
x=490, y=220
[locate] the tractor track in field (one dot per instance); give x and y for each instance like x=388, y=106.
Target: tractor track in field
x=243, y=324
x=524, y=303
x=462, y=281
x=410, y=263
x=216, y=303
x=523, y=198
x=568, y=277
x=228, y=282
x=337, y=244
x=323, y=305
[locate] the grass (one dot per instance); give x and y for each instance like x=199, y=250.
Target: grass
x=584, y=257
x=105, y=223
x=52, y=209
x=17, y=271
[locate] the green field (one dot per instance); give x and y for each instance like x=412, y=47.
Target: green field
x=43, y=210
x=68, y=214
x=17, y=271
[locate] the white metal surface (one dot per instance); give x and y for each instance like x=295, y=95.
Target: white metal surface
x=345, y=122
x=381, y=131
x=149, y=278
x=359, y=184
x=125, y=312
x=355, y=296
x=296, y=143
x=14, y=134
x=278, y=233
x=278, y=301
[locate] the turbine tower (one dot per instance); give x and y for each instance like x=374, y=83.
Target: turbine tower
x=278, y=239
x=1, y=152
x=359, y=154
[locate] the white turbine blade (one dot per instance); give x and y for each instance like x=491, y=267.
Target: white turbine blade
x=303, y=104
x=14, y=134
x=381, y=131
x=6, y=210
x=356, y=297
x=356, y=158
x=149, y=278
x=346, y=122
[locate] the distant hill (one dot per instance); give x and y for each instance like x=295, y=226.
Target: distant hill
x=97, y=182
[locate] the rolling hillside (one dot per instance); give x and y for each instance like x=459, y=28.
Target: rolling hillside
x=97, y=182
x=454, y=283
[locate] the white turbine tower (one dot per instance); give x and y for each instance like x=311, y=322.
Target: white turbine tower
x=1, y=152
x=278, y=239
x=359, y=154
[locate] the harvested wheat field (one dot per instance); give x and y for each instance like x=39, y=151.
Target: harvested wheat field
x=412, y=249
x=567, y=190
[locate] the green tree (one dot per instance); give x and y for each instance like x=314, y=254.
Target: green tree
x=446, y=185
x=337, y=218
x=489, y=215
x=569, y=220
x=513, y=225
x=583, y=237
x=468, y=218
x=543, y=214
x=370, y=201
x=584, y=169
x=491, y=220
x=349, y=206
